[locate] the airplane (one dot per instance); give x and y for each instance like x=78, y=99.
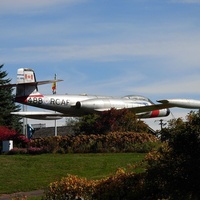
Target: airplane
x=78, y=105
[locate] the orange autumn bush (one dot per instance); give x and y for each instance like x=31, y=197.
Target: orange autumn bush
x=121, y=185
x=112, y=187
x=70, y=187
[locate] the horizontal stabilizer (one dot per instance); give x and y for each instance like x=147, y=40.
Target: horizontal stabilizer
x=48, y=81
x=39, y=115
x=31, y=83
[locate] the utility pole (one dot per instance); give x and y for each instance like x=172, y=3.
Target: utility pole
x=24, y=121
x=161, y=124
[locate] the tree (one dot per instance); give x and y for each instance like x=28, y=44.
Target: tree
x=110, y=121
x=174, y=171
x=7, y=104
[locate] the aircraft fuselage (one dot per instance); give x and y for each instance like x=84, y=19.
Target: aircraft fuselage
x=79, y=105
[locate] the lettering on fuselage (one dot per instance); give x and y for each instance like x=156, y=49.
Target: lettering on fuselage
x=52, y=101
x=59, y=101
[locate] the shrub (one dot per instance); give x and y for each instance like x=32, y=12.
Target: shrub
x=15, y=151
x=36, y=150
x=173, y=172
x=71, y=188
x=112, y=142
x=20, y=141
x=110, y=121
x=121, y=185
x=6, y=133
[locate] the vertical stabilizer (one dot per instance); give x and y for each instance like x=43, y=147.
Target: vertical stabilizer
x=26, y=82
x=25, y=75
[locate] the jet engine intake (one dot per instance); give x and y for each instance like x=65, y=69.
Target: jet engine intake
x=78, y=105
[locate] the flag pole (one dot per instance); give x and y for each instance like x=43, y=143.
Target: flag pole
x=54, y=92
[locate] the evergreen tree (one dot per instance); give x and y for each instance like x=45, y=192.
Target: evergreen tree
x=7, y=104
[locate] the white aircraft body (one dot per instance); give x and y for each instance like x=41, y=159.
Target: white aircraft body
x=78, y=105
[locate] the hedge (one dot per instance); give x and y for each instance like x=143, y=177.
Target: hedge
x=112, y=142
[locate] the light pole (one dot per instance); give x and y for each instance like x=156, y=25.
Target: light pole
x=54, y=92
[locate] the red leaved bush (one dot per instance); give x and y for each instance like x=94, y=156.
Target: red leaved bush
x=6, y=133
x=9, y=134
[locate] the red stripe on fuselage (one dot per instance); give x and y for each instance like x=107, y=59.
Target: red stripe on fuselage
x=155, y=113
x=36, y=95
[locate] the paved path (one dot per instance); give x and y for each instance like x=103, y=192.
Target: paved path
x=35, y=193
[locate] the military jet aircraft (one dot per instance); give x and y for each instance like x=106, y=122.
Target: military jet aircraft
x=78, y=105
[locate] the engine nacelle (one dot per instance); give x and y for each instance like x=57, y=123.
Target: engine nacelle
x=155, y=113
x=102, y=104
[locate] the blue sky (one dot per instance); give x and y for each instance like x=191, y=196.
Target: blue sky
x=147, y=47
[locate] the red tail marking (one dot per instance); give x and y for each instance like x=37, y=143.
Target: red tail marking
x=28, y=77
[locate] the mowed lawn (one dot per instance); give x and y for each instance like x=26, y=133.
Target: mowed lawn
x=27, y=173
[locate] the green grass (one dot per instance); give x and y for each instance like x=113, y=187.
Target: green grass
x=27, y=173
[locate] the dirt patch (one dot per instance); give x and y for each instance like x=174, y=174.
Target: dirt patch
x=35, y=193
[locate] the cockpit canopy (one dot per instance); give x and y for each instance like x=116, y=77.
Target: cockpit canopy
x=137, y=98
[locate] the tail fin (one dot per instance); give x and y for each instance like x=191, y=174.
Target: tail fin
x=26, y=82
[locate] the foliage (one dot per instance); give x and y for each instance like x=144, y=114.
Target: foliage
x=87, y=125
x=20, y=140
x=16, y=151
x=174, y=170
x=110, y=121
x=173, y=126
x=112, y=142
x=121, y=185
x=29, y=150
x=6, y=133
x=7, y=104
x=71, y=188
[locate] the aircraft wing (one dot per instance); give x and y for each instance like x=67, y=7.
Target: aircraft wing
x=181, y=103
x=149, y=108
x=40, y=115
x=141, y=109
x=169, y=103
